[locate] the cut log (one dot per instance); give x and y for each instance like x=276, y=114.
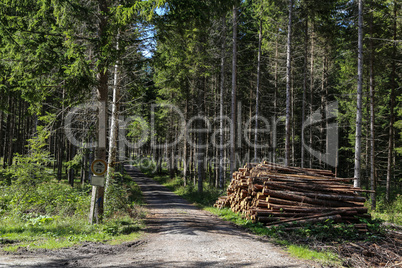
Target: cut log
x=309, y=219
x=305, y=199
x=273, y=200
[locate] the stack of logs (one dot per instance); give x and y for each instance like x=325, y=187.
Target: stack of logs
x=273, y=194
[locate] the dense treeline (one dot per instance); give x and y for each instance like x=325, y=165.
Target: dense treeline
x=202, y=86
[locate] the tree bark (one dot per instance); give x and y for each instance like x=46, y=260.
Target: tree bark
x=257, y=92
x=11, y=132
x=288, y=73
x=311, y=89
x=310, y=200
x=71, y=153
x=324, y=111
x=372, y=121
x=391, y=108
x=185, y=149
x=1, y=134
x=201, y=113
x=304, y=93
x=96, y=211
x=60, y=141
x=311, y=219
x=221, y=106
x=273, y=136
x=359, y=111
x=114, y=124
x=234, y=92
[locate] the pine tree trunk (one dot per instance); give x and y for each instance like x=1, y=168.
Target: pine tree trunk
x=60, y=141
x=288, y=93
x=71, y=171
x=234, y=92
x=60, y=151
x=273, y=136
x=257, y=92
x=250, y=115
x=215, y=149
x=311, y=89
x=327, y=140
x=84, y=174
x=372, y=121
x=7, y=136
x=102, y=96
x=114, y=122
x=239, y=148
x=323, y=124
x=391, y=108
x=1, y=134
x=200, y=134
x=20, y=143
x=304, y=93
x=292, y=118
x=359, y=111
x=11, y=132
x=195, y=164
x=185, y=149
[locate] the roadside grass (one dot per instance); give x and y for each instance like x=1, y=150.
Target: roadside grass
x=303, y=252
x=294, y=245
x=389, y=211
x=64, y=232
x=54, y=215
x=392, y=217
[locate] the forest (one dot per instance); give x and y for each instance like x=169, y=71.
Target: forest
x=199, y=88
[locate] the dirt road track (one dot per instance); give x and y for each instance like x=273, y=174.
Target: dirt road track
x=178, y=235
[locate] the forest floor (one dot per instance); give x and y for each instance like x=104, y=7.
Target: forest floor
x=178, y=234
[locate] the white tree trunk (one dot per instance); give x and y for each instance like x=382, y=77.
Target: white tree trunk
x=114, y=122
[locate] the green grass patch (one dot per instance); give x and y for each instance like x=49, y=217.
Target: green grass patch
x=389, y=211
x=54, y=215
x=65, y=232
x=392, y=217
x=324, y=257
x=257, y=228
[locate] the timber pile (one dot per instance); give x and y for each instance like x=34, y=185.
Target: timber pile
x=273, y=194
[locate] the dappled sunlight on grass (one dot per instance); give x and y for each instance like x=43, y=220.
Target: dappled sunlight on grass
x=66, y=232
x=54, y=215
x=324, y=257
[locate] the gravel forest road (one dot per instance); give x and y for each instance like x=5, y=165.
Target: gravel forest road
x=178, y=234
